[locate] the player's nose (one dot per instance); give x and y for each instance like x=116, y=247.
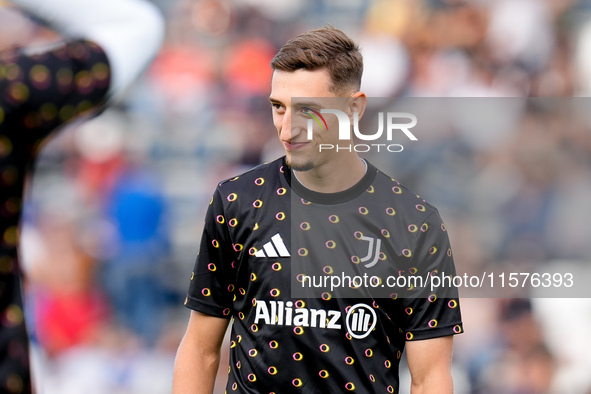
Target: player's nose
x=286, y=127
x=290, y=127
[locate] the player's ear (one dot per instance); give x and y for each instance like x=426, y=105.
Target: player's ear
x=357, y=103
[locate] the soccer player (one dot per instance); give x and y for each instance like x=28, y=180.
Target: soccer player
x=110, y=42
x=255, y=245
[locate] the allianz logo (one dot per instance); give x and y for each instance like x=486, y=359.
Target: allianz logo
x=360, y=319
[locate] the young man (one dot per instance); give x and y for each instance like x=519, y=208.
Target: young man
x=258, y=240
x=111, y=42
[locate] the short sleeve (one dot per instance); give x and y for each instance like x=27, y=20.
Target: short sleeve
x=210, y=290
x=432, y=313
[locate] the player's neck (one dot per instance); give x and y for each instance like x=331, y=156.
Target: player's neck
x=335, y=176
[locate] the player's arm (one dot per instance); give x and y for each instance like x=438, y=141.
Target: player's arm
x=210, y=299
x=198, y=356
x=429, y=362
x=129, y=31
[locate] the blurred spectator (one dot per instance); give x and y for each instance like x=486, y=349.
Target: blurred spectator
x=137, y=251
x=68, y=307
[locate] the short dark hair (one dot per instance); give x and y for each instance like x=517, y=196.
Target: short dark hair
x=328, y=48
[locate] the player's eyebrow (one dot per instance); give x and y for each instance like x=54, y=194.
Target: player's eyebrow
x=298, y=103
x=308, y=103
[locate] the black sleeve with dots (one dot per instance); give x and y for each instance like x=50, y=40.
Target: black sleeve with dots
x=40, y=92
x=436, y=313
x=210, y=290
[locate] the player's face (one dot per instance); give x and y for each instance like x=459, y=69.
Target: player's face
x=291, y=116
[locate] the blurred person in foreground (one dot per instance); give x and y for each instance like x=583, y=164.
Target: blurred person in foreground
x=243, y=273
x=110, y=42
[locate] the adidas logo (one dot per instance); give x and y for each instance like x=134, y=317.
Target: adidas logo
x=273, y=248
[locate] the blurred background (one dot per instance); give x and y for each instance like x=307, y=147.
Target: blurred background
x=115, y=209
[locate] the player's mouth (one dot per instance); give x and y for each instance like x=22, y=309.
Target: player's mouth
x=294, y=145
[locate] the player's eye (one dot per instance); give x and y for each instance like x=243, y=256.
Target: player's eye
x=307, y=111
x=278, y=107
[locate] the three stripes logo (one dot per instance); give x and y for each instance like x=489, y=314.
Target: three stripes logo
x=360, y=321
x=273, y=248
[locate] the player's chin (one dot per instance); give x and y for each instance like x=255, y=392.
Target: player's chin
x=299, y=163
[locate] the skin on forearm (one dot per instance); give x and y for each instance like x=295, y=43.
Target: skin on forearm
x=198, y=356
x=429, y=362
x=194, y=372
x=438, y=384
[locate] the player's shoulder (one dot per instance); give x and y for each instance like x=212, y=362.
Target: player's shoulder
x=402, y=196
x=270, y=172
